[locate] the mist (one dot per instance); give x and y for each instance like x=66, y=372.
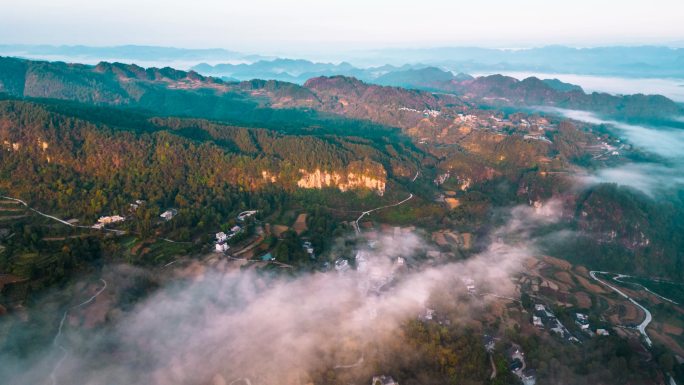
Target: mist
x=652, y=177
x=227, y=325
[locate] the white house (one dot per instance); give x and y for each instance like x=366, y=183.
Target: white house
x=222, y=247
x=537, y=321
x=383, y=380
x=246, y=214
x=111, y=219
x=221, y=237
x=341, y=265
x=169, y=214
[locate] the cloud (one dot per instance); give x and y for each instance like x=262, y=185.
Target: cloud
x=226, y=323
x=664, y=141
x=650, y=178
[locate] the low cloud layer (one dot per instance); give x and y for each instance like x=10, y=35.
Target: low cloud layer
x=650, y=178
x=225, y=324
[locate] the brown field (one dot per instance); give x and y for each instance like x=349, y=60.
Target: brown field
x=452, y=203
x=583, y=300
x=666, y=340
x=630, y=313
x=300, y=224
x=582, y=270
x=672, y=329
x=278, y=230
x=594, y=288
x=559, y=263
x=564, y=277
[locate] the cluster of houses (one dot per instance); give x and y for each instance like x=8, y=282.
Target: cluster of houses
x=135, y=205
x=470, y=285
x=516, y=359
x=223, y=238
x=544, y=318
x=308, y=247
x=582, y=321
x=111, y=219
x=427, y=113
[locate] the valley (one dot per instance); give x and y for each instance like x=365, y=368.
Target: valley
x=402, y=225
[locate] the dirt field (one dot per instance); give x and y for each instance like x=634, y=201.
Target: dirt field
x=666, y=340
x=672, y=329
x=278, y=230
x=559, y=263
x=300, y=224
x=564, y=277
x=583, y=300
x=595, y=289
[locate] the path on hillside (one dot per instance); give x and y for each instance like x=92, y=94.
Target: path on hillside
x=60, y=220
x=491, y=361
x=357, y=363
x=647, y=319
x=618, y=276
x=363, y=214
x=55, y=341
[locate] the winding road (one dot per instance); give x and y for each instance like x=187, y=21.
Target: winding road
x=647, y=319
x=617, y=278
x=55, y=341
x=363, y=214
x=62, y=221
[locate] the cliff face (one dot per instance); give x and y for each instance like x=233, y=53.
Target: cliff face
x=358, y=175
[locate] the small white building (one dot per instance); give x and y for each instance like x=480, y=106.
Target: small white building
x=537, y=321
x=221, y=237
x=308, y=247
x=169, y=214
x=222, y=247
x=245, y=214
x=602, y=332
x=341, y=265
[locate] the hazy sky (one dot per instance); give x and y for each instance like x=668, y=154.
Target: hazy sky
x=274, y=25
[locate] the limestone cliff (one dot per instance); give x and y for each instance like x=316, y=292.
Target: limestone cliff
x=358, y=175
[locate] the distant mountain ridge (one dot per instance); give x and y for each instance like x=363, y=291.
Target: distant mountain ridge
x=187, y=93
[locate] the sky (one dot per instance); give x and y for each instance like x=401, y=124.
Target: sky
x=274, y=26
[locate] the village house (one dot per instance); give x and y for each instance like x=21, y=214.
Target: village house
x=308, y=248
x=110, y=219
x=537, y=321
x=341, y=265
x=245, y=214
x=169, y=214
x=582, y=320
x=383, y=380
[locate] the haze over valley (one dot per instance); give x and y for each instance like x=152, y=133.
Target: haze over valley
x=340, y=201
